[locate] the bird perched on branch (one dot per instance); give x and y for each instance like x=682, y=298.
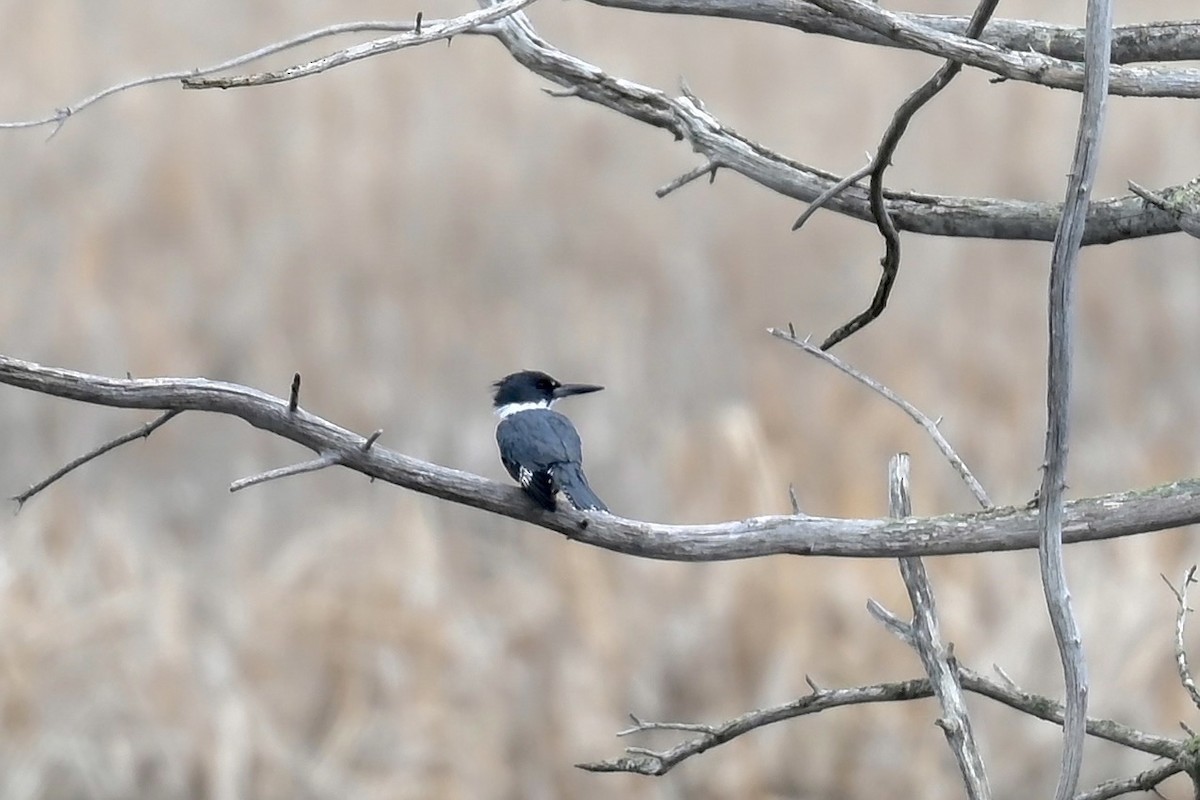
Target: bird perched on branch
x=539, y=447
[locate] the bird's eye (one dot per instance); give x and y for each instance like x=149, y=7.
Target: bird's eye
x=547, y=385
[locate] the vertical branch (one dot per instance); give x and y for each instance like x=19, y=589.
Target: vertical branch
x=1058, y=389
x=925, y=636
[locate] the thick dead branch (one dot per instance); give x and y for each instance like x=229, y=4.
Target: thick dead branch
x=1150, y=41
x=1056, y=73
x=1109, y=220
x=1063, y=261
x=1108, y=516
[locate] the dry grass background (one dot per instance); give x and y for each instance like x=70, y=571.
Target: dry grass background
x=404, y=231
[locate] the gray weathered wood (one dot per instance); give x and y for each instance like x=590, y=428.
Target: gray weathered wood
x=1108, y=516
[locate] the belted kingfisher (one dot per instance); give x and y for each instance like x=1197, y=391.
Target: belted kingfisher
x=539, y=447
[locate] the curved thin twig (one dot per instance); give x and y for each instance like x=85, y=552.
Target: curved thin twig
x=422, y=33
x=930, y=426
x=61, y=115
x=890, y=262
x=142, y=432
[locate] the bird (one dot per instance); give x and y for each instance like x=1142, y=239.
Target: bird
x=539, y=447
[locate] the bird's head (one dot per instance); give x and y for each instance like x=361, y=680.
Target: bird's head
x=532, y=388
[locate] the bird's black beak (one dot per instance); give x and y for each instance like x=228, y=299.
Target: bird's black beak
x=568, y=389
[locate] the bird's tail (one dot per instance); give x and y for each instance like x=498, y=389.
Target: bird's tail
x=572, y=482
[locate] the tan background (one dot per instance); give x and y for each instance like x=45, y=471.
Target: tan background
x=405, y=231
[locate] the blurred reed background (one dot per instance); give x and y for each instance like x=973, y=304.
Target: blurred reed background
x=406, y=230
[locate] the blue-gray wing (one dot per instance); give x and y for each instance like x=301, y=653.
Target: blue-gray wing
x=537, y=439
x=541, y=451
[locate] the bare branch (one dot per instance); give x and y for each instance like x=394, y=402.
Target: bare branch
x=1142, y=782
x=649, y=762
x=1181, y=202
x=60, y=116
x=1063, y=259
x=1107, y=516
x=926, y=639
x=1046, y=709
x=1150, y=41
x=1181, y=659
x=883, y=158
x=642, y=761
x=794, y=500
x=833, y=191
x=640, y=725
x=1114, y=219
x=326, y=460
x=141, y=433
x=430, y=31
x=1109, y=220
x=896, y=626
x=1152, y=81
x=930, y=426
x=710, y=168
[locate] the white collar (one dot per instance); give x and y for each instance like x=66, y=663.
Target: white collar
x=508, y=409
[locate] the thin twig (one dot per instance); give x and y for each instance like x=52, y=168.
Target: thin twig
x=1063, y=261
x=1142, y=782
x=898, y=627
x=1183, y=204
x=431, y=31
x=325, y=460
x=1181, y=658
x=294, y=394
x=930, y=426
x=141, y=433
x=795, y=501
x=710, y=168
x=833, y=191
x=883, y=159
x=687, y=727
x=61, y=115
